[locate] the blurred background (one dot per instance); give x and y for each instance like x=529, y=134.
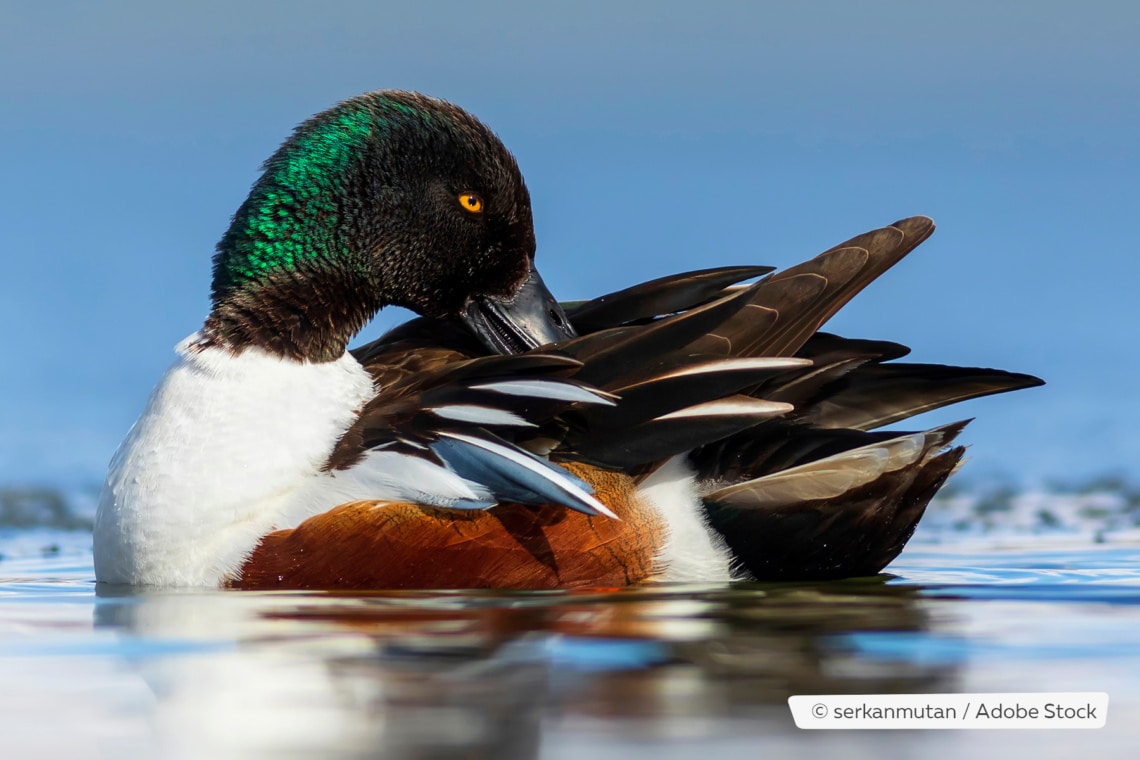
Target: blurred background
x=655, y=137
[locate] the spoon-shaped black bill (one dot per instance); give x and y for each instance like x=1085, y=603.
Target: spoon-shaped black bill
x=528, y=319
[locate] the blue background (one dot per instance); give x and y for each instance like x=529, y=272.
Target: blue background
x=655, y=137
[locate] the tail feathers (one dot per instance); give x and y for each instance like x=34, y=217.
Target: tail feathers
x=846, y=515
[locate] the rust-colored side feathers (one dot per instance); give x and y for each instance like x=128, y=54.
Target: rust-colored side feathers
x=381, y=545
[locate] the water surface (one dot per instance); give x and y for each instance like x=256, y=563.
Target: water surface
x=662, y=672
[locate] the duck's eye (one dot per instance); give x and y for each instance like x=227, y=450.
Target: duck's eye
x=471, y=202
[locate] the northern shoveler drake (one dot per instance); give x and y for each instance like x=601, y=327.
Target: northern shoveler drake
x=689, y=428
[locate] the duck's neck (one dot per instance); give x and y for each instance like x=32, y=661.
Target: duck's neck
x=292, y=274
x=308, y=318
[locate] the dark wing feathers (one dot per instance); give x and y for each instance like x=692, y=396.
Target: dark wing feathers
x=665, y=295
x=848, y=268
x=824, y=347
x=874, y=395
x=779, y=301
x=802, y=301
x=626, y=352
x=847, y=384
x=652, y=440
x=446, y=392
x=862, y=394
x=680, y=388
x=795, y=480
x=783, y=445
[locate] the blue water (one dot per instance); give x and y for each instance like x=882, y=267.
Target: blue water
x=661, y=672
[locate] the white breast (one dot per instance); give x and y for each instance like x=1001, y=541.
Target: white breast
x=224, y=443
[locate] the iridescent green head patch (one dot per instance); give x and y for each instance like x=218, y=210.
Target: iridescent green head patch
x=293, y=215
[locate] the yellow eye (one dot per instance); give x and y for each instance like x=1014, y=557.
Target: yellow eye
x=471, y=202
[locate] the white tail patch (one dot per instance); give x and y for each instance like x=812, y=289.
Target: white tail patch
x=692, y=552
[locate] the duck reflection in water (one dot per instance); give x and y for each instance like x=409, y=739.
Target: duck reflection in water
x=419, y=674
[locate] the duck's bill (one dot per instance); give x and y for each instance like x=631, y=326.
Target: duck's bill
x=529, y=319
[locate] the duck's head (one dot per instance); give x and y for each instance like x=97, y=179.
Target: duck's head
x=390, y=198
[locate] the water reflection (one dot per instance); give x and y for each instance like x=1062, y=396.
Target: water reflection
x=425, y=675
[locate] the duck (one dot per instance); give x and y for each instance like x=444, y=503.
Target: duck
x=699, y=427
